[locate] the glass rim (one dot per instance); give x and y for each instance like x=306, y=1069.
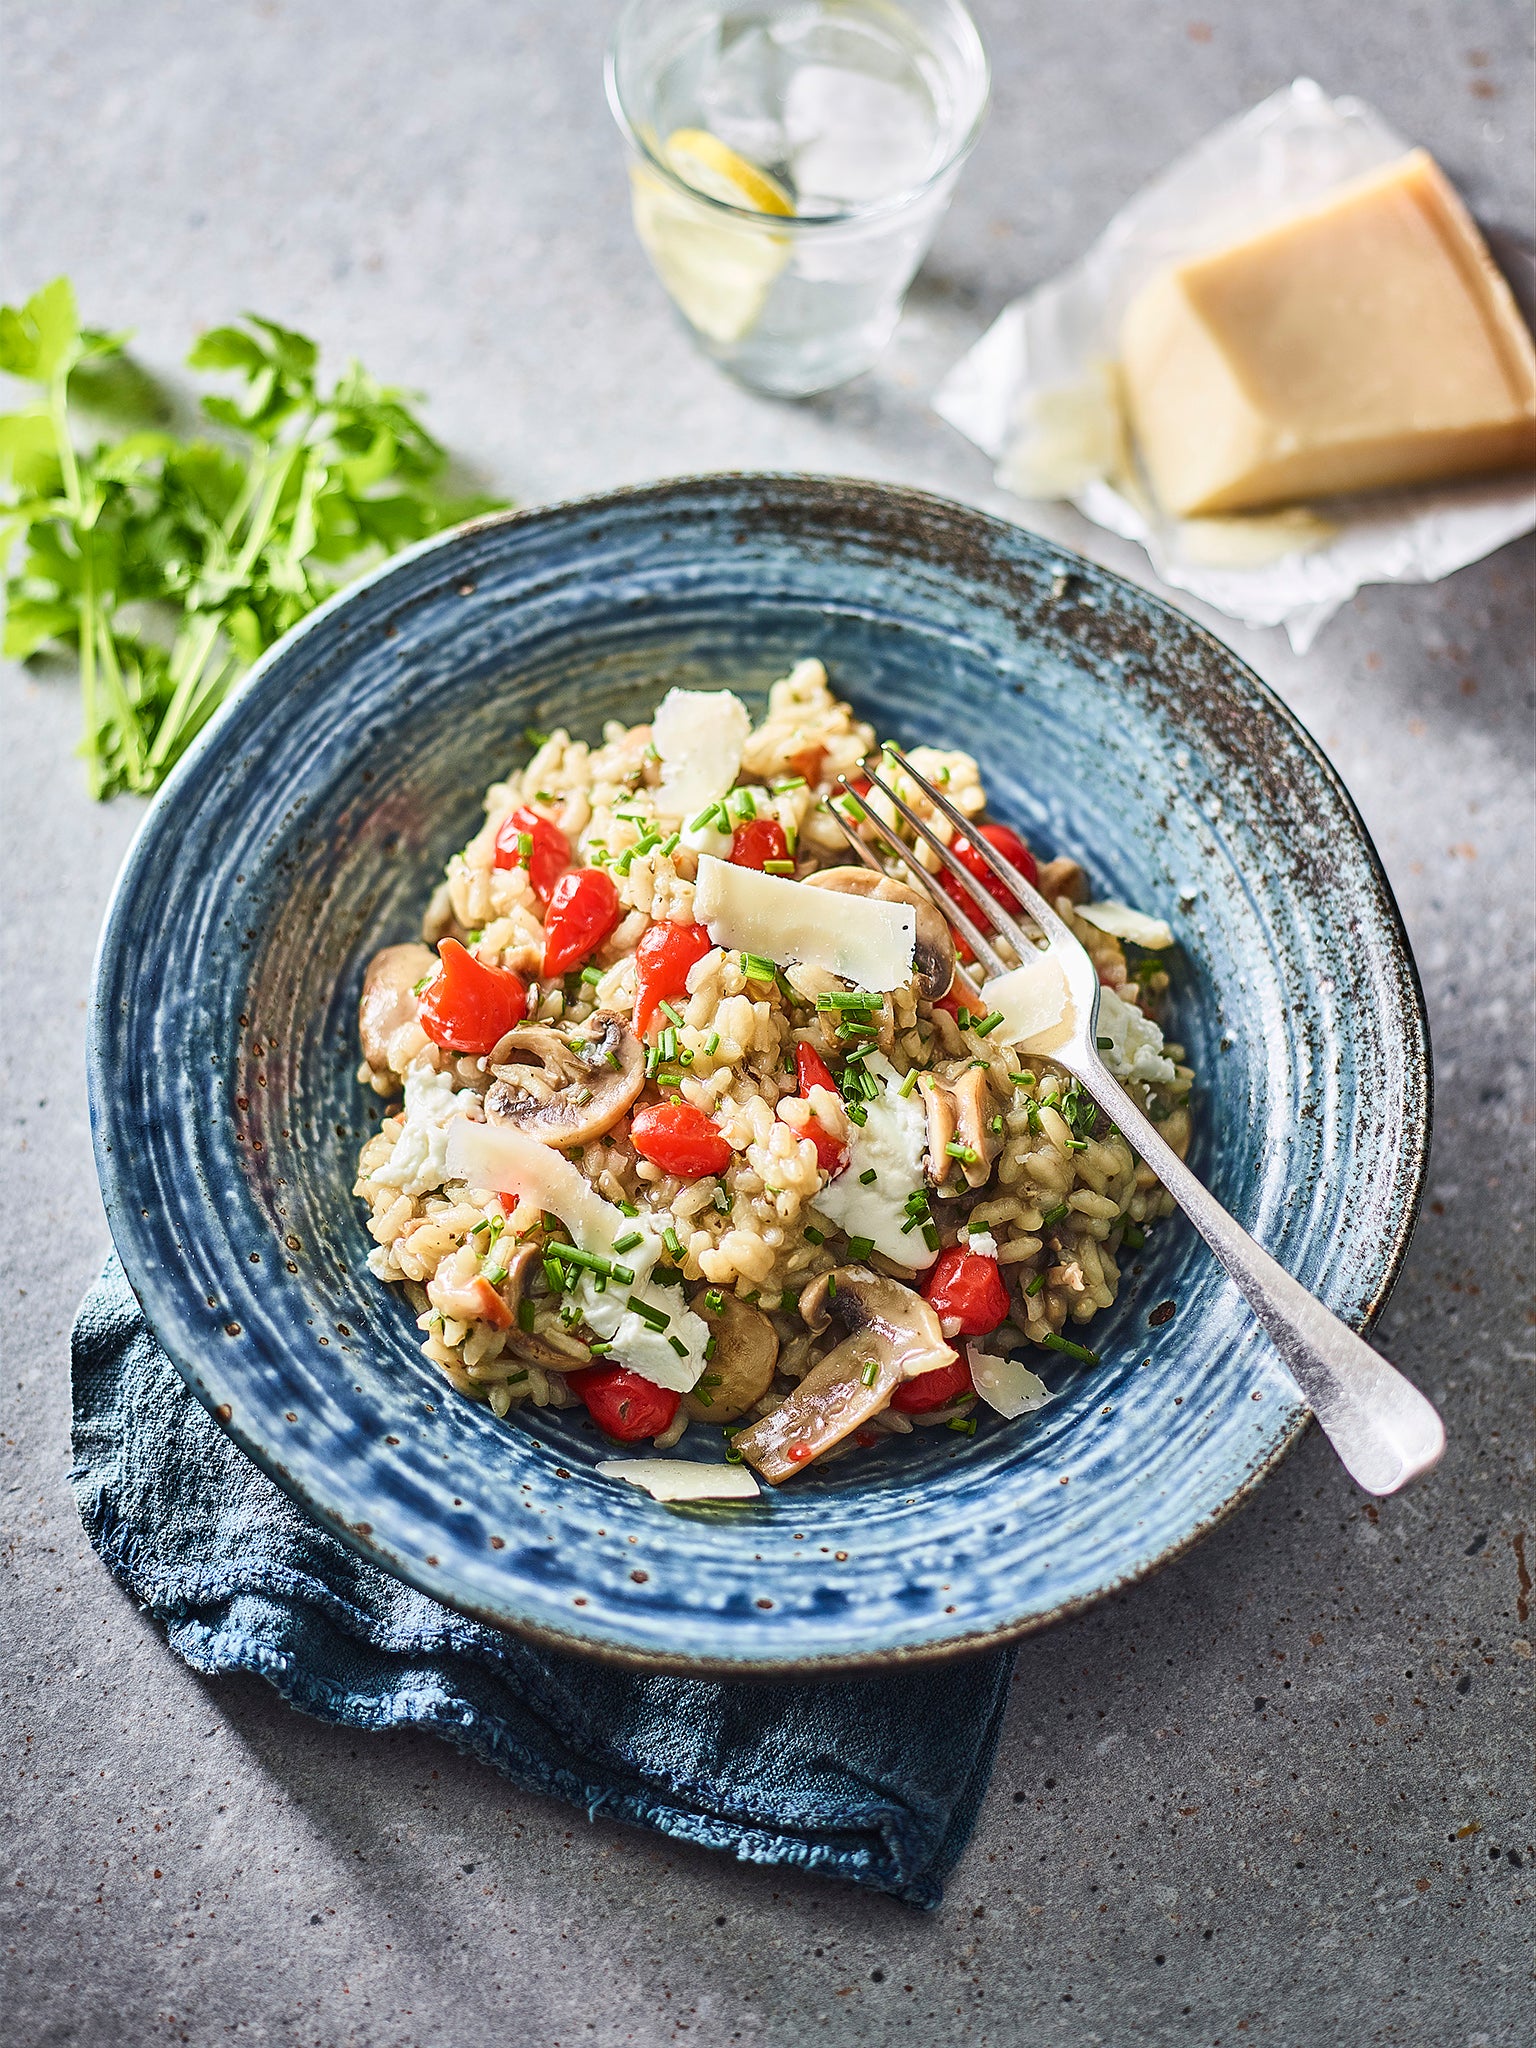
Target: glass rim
x=795, y=223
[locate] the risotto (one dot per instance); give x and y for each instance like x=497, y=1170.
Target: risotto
x=698, y=1123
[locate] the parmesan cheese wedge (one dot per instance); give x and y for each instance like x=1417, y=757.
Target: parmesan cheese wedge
x=1037, y=1010
x=669, y=1479
x=858, y=938
x=1366, y=342
x=699, y=735
x=1121, y=922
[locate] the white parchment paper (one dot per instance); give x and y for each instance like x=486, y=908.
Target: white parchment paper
x=1035, y=393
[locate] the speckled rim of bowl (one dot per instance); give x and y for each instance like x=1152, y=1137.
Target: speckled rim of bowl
x=1412, y=1174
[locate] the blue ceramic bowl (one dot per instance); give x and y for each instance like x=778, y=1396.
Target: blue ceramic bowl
x=307, y=829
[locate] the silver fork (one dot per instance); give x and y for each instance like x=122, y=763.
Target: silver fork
x=1384, y=1430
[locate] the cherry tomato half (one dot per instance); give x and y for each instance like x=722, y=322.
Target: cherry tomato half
x=679, y=1138
x=757, y=842
x=583, y=909
x=624, y=1403
x=548, y=852
x=662, y=962
x=1011, y=847
x=969, y=1287
x=467, y=1006
x=812, y=1071
x=934, y=1389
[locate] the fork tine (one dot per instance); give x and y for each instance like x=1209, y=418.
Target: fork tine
x=979, y=943
x=1029, y=896
x=864, y=852
x=1015, y=934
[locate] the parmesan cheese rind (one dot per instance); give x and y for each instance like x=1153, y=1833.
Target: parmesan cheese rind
x=669, y=1479
x=858, y=938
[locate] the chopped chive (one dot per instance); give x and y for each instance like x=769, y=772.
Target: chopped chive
x=599, y=1348
x=870, y=1373
x=966, y=1153
x=988, y=1023
x=996, y=1124
x=669, y=845
x=962, y=1425
x=628, y=1241
x=733, y=1456
x=478, y=1228
x=860, y=1247
x=849, y=999
x=592, y=976
x=855, y=1112
x=778, y=867
x=1064, y=1344
x=792, y=782
x=744, y=802
x=1035, y=1285
x=911, y=1224
x=831, y=1287
x=714, y=1301
x=1053, y=1215
x=710, y=1347
x=1105, y=1044
x=908, y=1084
x=1134, y=1236
x=675, y=1014
x=755, y=1296
x=852, y=808
x=1023, y=1080
x=495, y=1274
x=418, y=986
x=573, y=1255
x=704, y=818
x=758, y=968
x=813, y=1235
x=669, y=1043
x=963, y=1017
x=931, y=1237
x=653, y=1318
x=525, y=1316
x=868, y=1178
x=525, y=845
x=705, y=1400
x=673, y=1242
x=554, y=1276
x=678, y=1346
x=917, y=1201
x=534, y=737
x=712, y=1043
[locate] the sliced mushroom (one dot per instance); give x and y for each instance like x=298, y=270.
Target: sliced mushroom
x=1062, y=878
x=741, y=1370
x=933, y=953
x=957, y=1114
x=893, y=1335
x=566, y=1088
x=566, y=1355
x=388, y=1007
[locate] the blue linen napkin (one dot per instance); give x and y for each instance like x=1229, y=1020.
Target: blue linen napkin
x=876, y=1781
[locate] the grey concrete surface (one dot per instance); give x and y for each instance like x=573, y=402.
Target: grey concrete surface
x=1282, y=1794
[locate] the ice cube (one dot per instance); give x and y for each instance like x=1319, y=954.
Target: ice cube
x=853, y=139
x=741, y=97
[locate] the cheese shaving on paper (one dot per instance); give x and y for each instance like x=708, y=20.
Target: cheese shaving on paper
x=699, y=735
x=1121, y=922
x=1036, y=1008
x=668, y=1479
x=495, y=1157
x=858, y=938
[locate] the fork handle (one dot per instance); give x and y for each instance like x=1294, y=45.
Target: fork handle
x=1384, y=1430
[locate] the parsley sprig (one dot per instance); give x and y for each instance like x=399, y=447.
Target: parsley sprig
x=166, y=565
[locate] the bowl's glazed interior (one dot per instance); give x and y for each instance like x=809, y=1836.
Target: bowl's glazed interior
x=308, y=829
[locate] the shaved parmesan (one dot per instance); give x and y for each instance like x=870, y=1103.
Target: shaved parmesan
x=1037, y=1010
x=503, y=1160
x=699, y=735
x=682, y=1478
x=858, y=938
x=1121, y=922
x=419, y=1162
x=1006, y=1384
x=496, y=1157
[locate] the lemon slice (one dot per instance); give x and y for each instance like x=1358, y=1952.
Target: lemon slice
x=712, y=167
x=718, y=269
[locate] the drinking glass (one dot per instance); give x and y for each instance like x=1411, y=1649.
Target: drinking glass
x=790, y=161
